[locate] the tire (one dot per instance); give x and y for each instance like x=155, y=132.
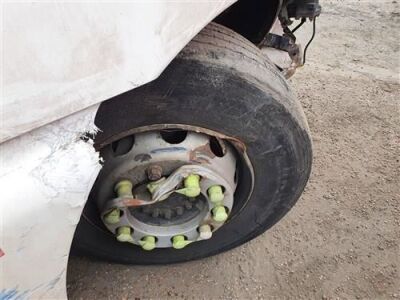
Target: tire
x=220, y=81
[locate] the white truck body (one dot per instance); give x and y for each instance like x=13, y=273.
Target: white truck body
x=59, y=61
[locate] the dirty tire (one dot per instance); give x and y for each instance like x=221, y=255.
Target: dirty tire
x=220, y=81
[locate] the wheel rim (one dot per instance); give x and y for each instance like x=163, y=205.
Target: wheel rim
x=178, y=216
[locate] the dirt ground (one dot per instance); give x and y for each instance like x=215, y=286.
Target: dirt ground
x=341, y=241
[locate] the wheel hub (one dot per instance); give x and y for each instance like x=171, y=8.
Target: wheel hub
x=175, y=210
x=161, y=190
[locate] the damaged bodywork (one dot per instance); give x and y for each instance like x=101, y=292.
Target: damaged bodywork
x=73, y=56
x=60, y=61
x=44, y=188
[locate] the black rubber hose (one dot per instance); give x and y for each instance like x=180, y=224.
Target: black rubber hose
x=308, y=44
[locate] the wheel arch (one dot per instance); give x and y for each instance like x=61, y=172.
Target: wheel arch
x=252, y=19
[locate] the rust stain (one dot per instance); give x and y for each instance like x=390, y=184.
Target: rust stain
x=2, y=253
x=201, y=154
x=142, y=157
x=135, y=202
x=239, y=145
x=103, y=141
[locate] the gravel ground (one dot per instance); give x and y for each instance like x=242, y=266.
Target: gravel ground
x=341, y=241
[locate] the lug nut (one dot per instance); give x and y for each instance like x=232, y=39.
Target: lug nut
x=205, y=232
x=191, y=186
x=219, y=213
x=124, y=234
x=113, y=216
x=148, y=243
x=154, y=172
x=216, y=194
x=124, y=188
x=180, y=242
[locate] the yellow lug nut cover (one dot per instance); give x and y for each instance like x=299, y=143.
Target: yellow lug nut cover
x=124, y=234
x=216, y=194
x=191, y=186
x=205, y=232
x=113, y=216
x=179, y=242
x=192, y=180
x=219, y=213
x=152, y=186
x=148, y=243
x=190, y=192
x=123, y=188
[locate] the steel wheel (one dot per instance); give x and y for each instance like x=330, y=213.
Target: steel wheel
x=166, y=160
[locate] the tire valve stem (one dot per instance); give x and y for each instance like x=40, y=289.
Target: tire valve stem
x=219, y=213
x=180, y=242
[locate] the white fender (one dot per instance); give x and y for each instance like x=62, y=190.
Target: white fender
x=60, y=60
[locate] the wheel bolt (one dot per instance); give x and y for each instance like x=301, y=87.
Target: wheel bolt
x=113, y=216
x=205, y=232
x=219, y=213
x=155, y=213
x=148, y=243
x=179, y=210
x=146, y=209
x=188, y=205
x=124, y=234
x=154, y=172
x=180, y=242
x=167, y=213
x=216, y=194
x=199, y=205
x=124, y=188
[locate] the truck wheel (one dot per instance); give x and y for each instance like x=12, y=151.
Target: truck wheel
x=218, y=137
